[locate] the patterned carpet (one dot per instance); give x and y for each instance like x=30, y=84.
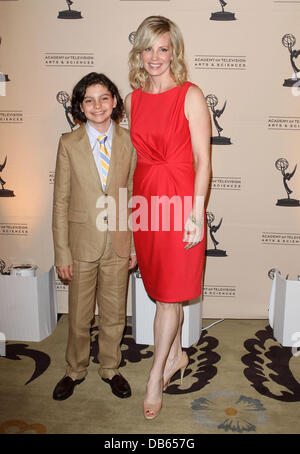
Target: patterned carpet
x=239, y=380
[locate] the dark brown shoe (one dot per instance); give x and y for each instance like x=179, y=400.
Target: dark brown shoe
x=119, y=386
x=65, y=388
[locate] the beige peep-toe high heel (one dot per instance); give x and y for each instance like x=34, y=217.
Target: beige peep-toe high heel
x=152, y=410
x=181, y=365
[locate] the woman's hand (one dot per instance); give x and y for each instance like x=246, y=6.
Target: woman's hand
x=132, y=262
x=193, y=233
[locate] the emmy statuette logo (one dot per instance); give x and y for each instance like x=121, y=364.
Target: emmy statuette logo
x=4, y=77
x=282, y=164
x=271, y=273
x=212, y=102
x=222, y=15
x=4, y=192
x=69, y=13
x=63, y=98
x=131, y=37
x=213, y=229
x=289, y=41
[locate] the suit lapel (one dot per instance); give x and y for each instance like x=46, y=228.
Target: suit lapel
x=116, y=154
x=85, y=148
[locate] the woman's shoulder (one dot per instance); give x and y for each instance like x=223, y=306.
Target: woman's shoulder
x=193, y=90
x=127, y=105
x=127, y=100
x=129, y=97
x=130, y=100
x=195, y=101
x=132, y=93
x=191, y=85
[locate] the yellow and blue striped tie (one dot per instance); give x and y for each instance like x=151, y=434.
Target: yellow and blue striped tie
x=104, y=159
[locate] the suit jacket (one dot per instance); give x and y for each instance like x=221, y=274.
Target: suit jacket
x=76, y=204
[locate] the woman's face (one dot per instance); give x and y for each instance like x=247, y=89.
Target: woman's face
x=157, y=59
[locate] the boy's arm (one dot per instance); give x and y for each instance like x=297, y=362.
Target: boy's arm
x=61, y=200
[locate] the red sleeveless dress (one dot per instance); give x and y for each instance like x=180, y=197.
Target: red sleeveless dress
x=163, y=188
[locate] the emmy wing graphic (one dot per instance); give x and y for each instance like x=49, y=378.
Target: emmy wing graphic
x=69, y=13
x=222, y=15
x=212, y=102
x=4, y=192
x=63, y=98
x=281, y=165
x=213, y=229
x=3, y=77
x=289, y=41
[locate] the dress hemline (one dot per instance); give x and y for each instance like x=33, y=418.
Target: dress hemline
x=170, y=301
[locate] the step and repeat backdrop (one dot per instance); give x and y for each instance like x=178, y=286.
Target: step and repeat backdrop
x=242, y=54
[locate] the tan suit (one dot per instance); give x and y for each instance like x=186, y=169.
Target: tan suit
x=99, y=258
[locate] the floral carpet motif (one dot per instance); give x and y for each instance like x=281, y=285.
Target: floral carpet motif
x=202, y=367
x=131, y=352
x=269, y=367
x=41, y=359
x=228, y=411
x=21, y=427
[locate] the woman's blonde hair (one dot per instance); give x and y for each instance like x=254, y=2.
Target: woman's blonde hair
x=146, y=35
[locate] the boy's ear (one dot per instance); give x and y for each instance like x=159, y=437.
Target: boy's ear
x=115, y=102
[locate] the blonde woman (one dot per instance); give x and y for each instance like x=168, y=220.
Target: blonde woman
x=170, y=129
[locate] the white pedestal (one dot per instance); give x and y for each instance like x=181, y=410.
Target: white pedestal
x=284, y=311
x=143, y=312
x=28, y=310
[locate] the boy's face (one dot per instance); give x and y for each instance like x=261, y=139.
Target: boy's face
x=97, y=106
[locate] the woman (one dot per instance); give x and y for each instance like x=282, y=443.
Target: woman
x=170, y=129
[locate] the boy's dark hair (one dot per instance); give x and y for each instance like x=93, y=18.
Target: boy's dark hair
x=79, y=93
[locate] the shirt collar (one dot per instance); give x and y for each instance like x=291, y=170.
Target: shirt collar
x=93, y=134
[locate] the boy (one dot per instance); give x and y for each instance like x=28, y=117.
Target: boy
x=95, y=160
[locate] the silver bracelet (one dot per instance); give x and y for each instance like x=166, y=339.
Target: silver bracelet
x=194, y=221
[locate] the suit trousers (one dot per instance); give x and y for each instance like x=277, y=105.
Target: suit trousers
x=104, y=281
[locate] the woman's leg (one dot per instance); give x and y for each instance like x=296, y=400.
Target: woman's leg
x=176, y=349
x=166, y=324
